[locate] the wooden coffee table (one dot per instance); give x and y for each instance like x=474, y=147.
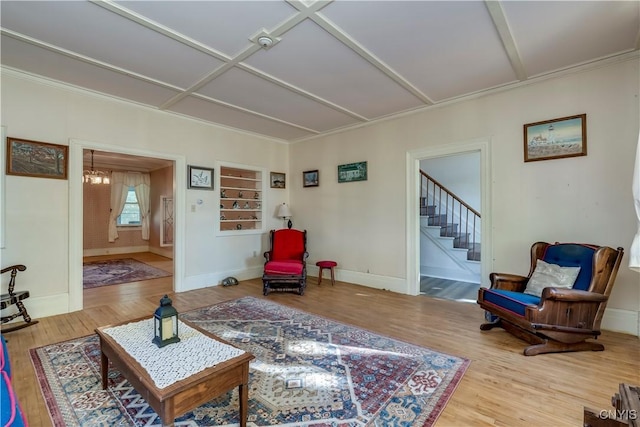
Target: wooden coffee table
x=184, y=395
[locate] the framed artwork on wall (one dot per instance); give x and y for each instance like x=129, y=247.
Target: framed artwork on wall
x=200, y=178
x=37, y=159
x=278, y=180
x=556, y=139
x=310, y=178
x=352, y=172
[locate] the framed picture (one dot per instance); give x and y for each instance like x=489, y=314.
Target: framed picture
x=556, y=139
x=278, y=180
x=352, y=172
x=200, y=178
x=38, y=159
x=310, y=178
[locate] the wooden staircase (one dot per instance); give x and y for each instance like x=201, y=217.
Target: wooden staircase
x=454, y=217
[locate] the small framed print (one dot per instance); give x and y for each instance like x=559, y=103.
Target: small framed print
x=310, y=178
x=278, y=180
x=200, y=178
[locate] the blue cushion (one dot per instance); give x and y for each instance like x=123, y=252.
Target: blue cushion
x=515, y=302
x=573, y=255
x=6, y=393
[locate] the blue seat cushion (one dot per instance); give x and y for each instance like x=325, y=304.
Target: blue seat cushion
x=573, y=255
x=516, y=302
x=10, y=412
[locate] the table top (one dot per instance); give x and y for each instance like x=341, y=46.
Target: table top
x=143, y=375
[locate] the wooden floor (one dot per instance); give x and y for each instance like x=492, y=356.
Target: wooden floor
x=449, y=289
x=501, y=387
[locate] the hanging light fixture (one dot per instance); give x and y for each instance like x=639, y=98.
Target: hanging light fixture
x=95, y=177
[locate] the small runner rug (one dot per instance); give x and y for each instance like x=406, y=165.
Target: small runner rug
x=308, y=371
x=116, y=271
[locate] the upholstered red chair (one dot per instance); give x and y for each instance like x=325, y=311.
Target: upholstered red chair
x=285, y=267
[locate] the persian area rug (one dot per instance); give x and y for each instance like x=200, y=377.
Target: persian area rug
x=308, y=371
x=116, y=271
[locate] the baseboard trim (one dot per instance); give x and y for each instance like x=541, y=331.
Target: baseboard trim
x=450, y=274
x=213, y=279
x=115, y=251
x=624, y=321
x=375, y=281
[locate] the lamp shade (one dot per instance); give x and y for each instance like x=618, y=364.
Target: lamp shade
x=284, y=211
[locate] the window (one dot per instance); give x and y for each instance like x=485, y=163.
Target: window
x=131, y=212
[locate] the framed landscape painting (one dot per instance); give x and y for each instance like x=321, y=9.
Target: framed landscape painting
x=278, y=180
x=556, y=139
x=310, y=178
x=352, y=172
x=37, y=159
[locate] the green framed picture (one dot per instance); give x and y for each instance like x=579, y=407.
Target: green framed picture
x=352, y=172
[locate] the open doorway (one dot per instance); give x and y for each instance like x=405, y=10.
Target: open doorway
x=481, y=148
x=134, y=249
x=176, y=183
x=450, y=226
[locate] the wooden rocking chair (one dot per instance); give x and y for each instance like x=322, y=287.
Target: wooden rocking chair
x=15, y=298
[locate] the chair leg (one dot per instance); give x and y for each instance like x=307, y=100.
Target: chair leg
x=319, y=275
x=22, y=311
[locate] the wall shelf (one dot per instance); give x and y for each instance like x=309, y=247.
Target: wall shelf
x=241, y=197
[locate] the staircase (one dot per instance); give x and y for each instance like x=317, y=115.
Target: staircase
x=445, y=215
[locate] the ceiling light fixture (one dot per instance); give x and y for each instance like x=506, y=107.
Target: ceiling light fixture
x=95, y=177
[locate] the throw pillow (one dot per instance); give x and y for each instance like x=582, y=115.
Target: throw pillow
x=548, y=275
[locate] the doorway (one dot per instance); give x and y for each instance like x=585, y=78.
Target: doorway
x=76, y=216
x=414, y=157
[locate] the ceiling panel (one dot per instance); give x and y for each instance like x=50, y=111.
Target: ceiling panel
x=312, y=59
x=33, y=59
x=192, y=106
x=223, y=25
x=339, y=63
x=555, y=35
x=97, y=33
x=445, y=49
x=248, y=91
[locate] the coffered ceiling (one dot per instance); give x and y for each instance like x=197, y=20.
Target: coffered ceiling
x=331, y=65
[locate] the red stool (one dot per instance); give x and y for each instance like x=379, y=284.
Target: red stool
x=326, y=264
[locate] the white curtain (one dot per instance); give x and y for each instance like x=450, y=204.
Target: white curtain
x=120, y=183
x=634, y=253
x=141, y=183
x=119, y=190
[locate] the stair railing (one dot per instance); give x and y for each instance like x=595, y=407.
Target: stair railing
x=445, y=208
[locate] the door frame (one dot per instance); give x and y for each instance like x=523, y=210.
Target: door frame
x=413, y=214
x=76, y=147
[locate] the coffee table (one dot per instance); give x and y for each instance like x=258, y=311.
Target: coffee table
x=184, y=395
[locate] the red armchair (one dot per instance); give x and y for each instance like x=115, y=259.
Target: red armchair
x=285, y=267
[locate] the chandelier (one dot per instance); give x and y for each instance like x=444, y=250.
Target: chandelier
x=95, y=177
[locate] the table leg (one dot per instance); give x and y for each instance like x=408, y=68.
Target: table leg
x=243, y=392
x=319, y=275
x=104, y=369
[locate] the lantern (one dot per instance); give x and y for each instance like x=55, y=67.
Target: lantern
x=165, y=323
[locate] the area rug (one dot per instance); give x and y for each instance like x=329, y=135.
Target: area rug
x=308, y=371
x=116, y=271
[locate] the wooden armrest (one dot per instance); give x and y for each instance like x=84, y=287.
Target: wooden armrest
x=508, y=282
x=18, y=267
x=576, y=295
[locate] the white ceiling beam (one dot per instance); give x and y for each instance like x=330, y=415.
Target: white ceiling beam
x=372, y=59
x=502, y=26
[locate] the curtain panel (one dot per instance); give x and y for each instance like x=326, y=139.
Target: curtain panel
x=120, y=183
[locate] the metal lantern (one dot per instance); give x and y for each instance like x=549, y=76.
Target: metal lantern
x=165, y=323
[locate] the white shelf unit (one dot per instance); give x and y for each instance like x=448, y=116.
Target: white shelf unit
x=241, y=199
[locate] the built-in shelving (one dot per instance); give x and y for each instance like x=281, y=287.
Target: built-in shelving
x=241, y=198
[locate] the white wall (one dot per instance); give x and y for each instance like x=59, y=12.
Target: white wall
x=37, y=209
x=459, y=173
x=361, y=225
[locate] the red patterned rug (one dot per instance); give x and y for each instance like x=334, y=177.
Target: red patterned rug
x=308, y=371
x=116, y=271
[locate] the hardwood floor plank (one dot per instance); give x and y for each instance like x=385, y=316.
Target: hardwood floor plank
x=501, y=387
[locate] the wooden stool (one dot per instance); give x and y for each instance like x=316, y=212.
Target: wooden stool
x=326, y=264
